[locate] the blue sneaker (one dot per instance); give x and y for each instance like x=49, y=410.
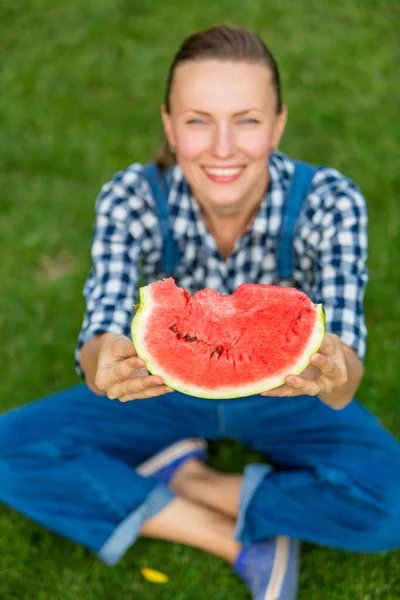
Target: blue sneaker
x=165, y=463
x=271, y=568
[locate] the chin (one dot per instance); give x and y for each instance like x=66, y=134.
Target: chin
x=224, y=197
x=227, y=205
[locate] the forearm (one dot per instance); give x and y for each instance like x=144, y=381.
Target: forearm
x=340, y=396
x=89, y=355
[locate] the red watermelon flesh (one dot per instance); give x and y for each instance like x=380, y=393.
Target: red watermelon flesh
x=215, y=346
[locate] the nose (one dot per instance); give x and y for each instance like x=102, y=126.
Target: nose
x=224, y=143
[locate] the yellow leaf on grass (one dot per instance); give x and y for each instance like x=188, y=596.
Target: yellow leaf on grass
x=154, y=576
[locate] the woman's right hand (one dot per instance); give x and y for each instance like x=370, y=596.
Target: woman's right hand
x=121, y=374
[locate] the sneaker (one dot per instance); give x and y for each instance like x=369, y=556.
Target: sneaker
x=271, y=568
x=165, y=463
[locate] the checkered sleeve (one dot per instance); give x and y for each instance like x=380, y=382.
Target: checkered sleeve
x=341, y=273
x=124, y=223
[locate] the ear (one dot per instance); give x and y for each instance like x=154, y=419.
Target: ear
x=279, y=127
x=169, y=132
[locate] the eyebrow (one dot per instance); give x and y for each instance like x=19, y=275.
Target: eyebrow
x=206, y=114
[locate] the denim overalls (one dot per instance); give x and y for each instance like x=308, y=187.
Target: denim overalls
x=68, y=461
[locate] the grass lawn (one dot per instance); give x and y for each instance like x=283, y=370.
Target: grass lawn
x=81, y=82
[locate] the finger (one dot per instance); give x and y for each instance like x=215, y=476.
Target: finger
x=149, y=393
x=326, y=365
x=326, y=384
x=125, y=368
x=143, y=372
x=334, y=370
x=122, y=348
x=135, y=386
x=308, y=387
x=107, y=377
x=281, y=391
x=329, y=345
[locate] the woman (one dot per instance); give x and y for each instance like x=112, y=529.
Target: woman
x=102, y=472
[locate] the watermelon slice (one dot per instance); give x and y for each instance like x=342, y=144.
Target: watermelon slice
x=214, y=346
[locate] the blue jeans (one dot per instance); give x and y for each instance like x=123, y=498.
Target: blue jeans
x=68, y=462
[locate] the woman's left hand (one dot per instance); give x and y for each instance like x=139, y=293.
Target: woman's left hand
x=327, y=371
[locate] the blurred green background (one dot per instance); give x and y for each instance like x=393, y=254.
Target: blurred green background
x=81, y=82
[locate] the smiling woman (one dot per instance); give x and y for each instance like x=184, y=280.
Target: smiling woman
x=224, y=134
x=239, y=211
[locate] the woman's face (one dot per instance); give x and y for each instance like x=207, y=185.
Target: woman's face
x=223, y=125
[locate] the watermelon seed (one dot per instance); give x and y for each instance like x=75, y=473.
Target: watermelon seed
x=174, y=329
x=180, y=336
x=187, y=337
x=217, y=350
x=193, y=339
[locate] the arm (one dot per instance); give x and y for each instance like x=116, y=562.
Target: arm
x=124, y=226
x=89, y=355
x=110, y=289
x=340, y=278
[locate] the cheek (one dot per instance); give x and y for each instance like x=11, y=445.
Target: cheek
x=191, y=144
x=257, y=144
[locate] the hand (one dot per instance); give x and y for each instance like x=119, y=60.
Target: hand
x=327, y=371
x=122, y=374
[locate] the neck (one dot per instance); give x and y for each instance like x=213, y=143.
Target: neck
x=228, y=224
x=223, y=224
x=233, y=220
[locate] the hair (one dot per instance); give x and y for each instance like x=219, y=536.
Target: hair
x=220, y=43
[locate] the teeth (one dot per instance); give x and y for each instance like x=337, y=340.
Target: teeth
x=224, y=172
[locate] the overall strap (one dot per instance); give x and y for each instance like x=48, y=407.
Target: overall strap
x=157, y=180
x=294, y=199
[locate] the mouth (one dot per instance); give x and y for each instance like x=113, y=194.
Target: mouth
x=223, y=175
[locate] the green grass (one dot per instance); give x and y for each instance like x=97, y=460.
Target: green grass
x=81, y=83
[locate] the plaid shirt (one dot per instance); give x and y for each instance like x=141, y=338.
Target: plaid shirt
x=330, y=249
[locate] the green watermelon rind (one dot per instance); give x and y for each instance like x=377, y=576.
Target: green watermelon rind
x=138, y=329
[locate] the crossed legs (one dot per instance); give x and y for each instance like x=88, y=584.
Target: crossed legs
x=203, y=514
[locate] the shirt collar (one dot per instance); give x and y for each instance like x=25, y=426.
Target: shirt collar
x=185, y=211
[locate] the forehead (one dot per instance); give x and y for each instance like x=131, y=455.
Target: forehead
x=213, y=86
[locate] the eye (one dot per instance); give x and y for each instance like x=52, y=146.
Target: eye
x=195, y=122
x=249, y=121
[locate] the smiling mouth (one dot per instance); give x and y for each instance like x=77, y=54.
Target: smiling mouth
x=223, y=175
